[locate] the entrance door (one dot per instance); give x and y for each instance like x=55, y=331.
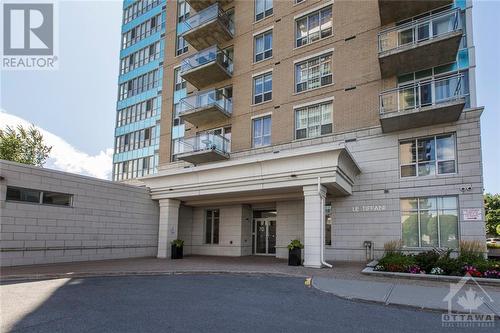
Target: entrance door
x=264, y=236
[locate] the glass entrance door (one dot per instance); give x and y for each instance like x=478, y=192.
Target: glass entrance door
x=264, y=236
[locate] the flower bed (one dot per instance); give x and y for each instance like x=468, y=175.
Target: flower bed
x=437, y=263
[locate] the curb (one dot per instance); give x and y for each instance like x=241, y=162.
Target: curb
x=429, y=277
x=407, y=306
x=356, y=299
x=52, y=276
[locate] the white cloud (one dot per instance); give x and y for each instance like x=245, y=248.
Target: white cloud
x=64, y=156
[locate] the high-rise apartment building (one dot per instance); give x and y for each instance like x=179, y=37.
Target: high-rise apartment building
x=140, y=81
x=344, y=124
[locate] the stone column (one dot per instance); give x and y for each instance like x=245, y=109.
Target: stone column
x=168, y=225
x=314, y=203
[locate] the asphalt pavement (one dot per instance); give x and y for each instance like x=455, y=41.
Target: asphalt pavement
x=199, y=303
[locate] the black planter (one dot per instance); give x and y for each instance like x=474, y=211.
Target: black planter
x=294, y=257
x=176, y=252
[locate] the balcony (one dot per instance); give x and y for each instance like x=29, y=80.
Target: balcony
x=207, y=67
x=199, y=5
x=420, y=44
x=208, y=27
x=202, y=148
x=422, y=103
x=206, y=107
x=397, y=10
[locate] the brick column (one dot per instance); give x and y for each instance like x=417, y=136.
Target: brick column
x=168, y=225
x=314, y=203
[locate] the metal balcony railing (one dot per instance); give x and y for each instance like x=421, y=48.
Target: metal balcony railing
x=211, y=54
x=422, y=94
x=206, y=99
x=203, y=142
x=418, y=31
x=214, y=12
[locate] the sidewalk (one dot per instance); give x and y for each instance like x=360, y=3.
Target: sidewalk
x=394, y=293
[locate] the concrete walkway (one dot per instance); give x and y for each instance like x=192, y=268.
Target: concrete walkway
x=394, y=293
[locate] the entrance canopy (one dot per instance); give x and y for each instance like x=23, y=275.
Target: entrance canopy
x=277, y=175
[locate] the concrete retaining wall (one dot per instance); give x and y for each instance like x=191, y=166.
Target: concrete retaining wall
x=107, y=220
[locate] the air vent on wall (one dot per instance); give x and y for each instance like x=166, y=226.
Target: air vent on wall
x=349, y=38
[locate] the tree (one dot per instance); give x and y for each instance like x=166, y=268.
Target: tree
x=23, y=145
x=492, y=210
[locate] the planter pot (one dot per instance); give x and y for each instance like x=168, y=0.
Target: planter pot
x=176, y=252
x=294, y=257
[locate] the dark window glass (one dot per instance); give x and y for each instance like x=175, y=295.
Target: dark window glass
x=52, y=198
x=21, y=194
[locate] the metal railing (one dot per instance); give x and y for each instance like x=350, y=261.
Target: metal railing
x=211, y=54
x=202, y=142
x=422, y=94
x=206, y=99
x=417, y=31
x=209, y=14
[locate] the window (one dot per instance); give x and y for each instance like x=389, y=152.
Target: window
x=313, y=73
x=298, y=1
x=38, y=197
x=312, y=121
x=328, y=224
x=261, y=132
x=263, y=47
x=182, y=46
x=428, y=156
x=183, y=11
x=212, y=226
x=179, y=82
x=314, y=26
x=263, y=8
x=263, y=88
x=430, y=222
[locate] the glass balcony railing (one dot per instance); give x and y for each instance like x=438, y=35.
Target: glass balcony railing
x=206, y=99
x=422, y=94
x=415, y=32
x=211, y=54
x=203, y=142
x=209, y=14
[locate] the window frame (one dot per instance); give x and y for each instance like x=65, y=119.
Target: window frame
x=264, y=51
x=262, y=76
x=266, y=13
x=439, y=212
x=262, y=119
x=435, y=157
x=213, y=240
x=41, y=194
x=320, y=32
x=309, y=67
x=307, y=107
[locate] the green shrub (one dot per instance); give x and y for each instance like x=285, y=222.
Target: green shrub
x=397, y=262
x=493, y=246
x=427, y=260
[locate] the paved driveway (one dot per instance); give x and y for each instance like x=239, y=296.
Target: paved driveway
x=190, y=303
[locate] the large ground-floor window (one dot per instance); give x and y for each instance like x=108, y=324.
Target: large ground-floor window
x=430, y=222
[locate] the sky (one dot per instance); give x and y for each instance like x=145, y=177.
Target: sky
x=75, y=106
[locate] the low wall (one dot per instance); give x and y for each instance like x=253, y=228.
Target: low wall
x=105, y=221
